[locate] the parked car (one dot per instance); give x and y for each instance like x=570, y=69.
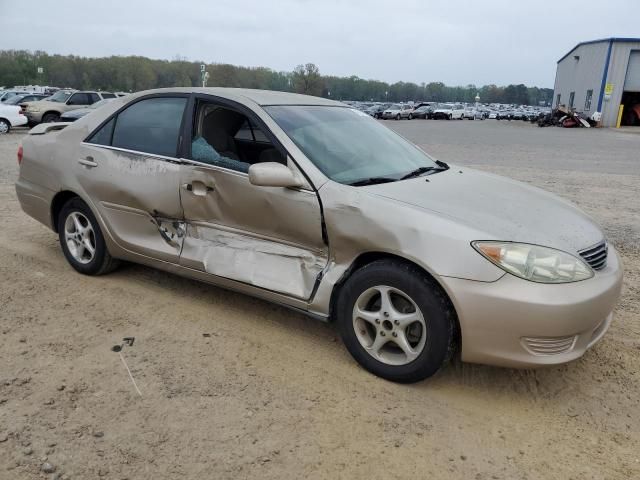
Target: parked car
x=449, y=112
x=311, y=204
x=421, y=112
x=398, y=111
x=11, y=116
x=473, y=114
x=25, y=97
x=8, y=94
x=49, y=110
x=73, y=115
x=376, y=110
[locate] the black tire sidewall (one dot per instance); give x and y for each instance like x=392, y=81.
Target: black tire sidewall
x=50, y=118
x=426, y=295
x=96, y=264
x=7, y=124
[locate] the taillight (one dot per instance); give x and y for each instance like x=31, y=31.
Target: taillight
x=20, y=155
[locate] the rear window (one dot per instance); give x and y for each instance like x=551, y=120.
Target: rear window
x=150, y=126
x=103, y=136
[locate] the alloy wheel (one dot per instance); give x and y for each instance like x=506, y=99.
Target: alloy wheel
x=389, y=325
x=4, y=126
x=80, y=237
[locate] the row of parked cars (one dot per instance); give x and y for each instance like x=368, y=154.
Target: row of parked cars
x=448, y=111
x=19, y=108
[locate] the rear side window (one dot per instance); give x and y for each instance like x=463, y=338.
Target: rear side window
x=108, y=95
x=103, y=136
x=150, y=126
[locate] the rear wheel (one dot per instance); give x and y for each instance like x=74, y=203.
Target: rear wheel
x=396, y=322
x=5, y=126
x=450, y=117
x=398, y=117
x=82, y=241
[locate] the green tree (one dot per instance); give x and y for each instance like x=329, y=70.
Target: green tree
x=306, y=79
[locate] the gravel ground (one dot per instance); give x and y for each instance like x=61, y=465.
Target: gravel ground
x=271, y=394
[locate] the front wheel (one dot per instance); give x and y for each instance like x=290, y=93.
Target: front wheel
x=396, y=322
x=410, y=116
x=50, y=118
x=82, y=241
x=398, y=117
x=5, y=126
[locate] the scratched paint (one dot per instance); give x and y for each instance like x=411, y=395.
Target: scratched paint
x=273, y=265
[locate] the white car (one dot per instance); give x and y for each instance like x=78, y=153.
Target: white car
x=449, y=112
x=11, y=116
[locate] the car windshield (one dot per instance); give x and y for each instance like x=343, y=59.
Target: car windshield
x=395, y=107
x=348, y=146
x=445, y=107
x=59, y=97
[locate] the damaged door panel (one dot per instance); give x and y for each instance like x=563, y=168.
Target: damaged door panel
x=269, y=237
x=142, y=208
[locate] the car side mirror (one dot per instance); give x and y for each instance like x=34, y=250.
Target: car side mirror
x=272, y=174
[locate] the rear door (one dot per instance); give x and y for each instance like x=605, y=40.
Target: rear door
x=267, y=237
x=130, y=171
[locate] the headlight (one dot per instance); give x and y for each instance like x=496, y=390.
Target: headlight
x=535, y=263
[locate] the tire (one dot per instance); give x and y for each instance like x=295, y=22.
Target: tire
x=430, y=340
x=410, y=117
x=450, y=117
x=50, y=117
x=98, y=263
x=5, y=126
x=398, y=117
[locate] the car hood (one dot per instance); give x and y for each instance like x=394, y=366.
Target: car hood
x=497, y=207
x=43, y=104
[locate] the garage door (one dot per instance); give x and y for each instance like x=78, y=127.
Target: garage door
x=632, y=82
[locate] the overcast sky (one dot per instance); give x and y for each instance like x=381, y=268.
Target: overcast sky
x=457, y=42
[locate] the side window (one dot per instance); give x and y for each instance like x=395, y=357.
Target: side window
x=226, y=138
x=587, y=100
x=245, y=132
x=103, y=136
x=79, y=99
x=107, y=95
x=150, y=126
x=93, y=98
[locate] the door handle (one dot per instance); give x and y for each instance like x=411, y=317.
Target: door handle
x=87, y=162
x=197, y=188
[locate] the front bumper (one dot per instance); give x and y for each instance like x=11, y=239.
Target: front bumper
x=33, y=117
x=516, y=323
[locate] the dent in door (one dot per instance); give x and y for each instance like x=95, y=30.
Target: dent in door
x=253, y=260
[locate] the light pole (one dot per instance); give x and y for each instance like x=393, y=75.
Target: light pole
x=204, y=75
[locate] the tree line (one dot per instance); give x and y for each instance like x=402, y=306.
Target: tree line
x=134, y=73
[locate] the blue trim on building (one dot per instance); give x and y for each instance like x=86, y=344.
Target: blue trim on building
x=604, y=76
x=611, y=40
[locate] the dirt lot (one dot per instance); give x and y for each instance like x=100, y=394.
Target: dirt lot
x=272, y=394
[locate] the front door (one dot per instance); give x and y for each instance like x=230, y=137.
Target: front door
x=129, y=170
x=268, y=237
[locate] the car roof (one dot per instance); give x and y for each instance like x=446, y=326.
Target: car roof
x=242, y=95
